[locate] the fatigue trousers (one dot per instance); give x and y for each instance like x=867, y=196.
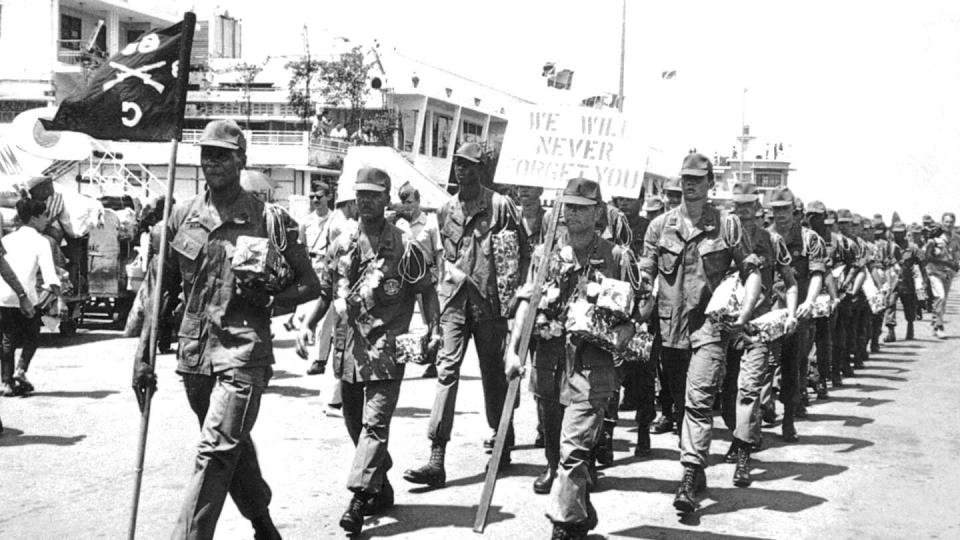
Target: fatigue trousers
x=704, y=377
x=580, y=431
x=17, y=331
x=863, y=321
x=803, y=360
x=792, y=382
x=367, y=411
x=490, y=338
x=675, y=364
x=639, y=387
x=664, y=397
x=823, y=329
x=227, y=405
x=843, y=343
x=546, y=377
x=746, y=372
x=909, y=301
x=940, y=289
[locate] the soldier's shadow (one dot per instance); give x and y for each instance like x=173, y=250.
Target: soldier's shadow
x=848, y=420
x=16, y=437
x=860, y=401
x=292, y=391
x=672, y=533
x=415, y=517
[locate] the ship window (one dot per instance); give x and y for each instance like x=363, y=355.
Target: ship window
x=409, y=125
x=768, y=180
x=471, y=132
x=442, y=126
x=70, y=32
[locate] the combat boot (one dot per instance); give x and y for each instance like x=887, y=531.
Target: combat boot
x=432, y=474
x=352, y=519
x=20, y=379
x=605, y=443
x=544, y=482
x=264, y=529
x=741, y=475
x=891, y=336
x=731, y=455
x=692, y=483
x=822, y=390
x=380, y=502
x=643, y=441
x=663, y=425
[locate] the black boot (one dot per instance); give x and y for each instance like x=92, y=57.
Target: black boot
x=692, y=483
x=605, y=444
x=380, y=502
x=264, y=529
x=891, y=336
x=643, y=441
x=663, y=425
x=544, y=482
x=566, y=531
x=741, y=475
x=731, y=455
x=789, y=432
x=352, y=519
x=431, y=474
x=822, y=390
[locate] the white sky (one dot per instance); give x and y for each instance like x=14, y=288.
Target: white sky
x=863, y=93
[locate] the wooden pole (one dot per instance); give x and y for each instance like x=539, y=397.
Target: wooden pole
x=186, y=44
x=514, y=387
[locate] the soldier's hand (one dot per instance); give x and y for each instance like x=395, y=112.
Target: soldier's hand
x=144, y=378
x=305, y=338
x=791, y=325
x=433, y=347
x=26, y=307
x=804, y=310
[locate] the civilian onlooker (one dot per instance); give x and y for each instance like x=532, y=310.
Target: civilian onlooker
x=27, y=251
x=339, y=132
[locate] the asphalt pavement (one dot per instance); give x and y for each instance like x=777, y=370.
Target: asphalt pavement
x=876, y=460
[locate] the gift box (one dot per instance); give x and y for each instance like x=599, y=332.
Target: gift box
x=875, y=296
x=506, y=257
x=727, y=300
x=639, y=348
x=769, y=326
x=616, y=297
x=412, y=348
x=822, y=306
x=918, y=285
x=592, y=324
x=257, y=261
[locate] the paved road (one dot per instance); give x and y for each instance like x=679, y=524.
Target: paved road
x=877, y=460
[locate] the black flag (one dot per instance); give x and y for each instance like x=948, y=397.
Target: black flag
x=137, y=95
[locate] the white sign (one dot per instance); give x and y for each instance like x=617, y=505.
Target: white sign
x=546, y=146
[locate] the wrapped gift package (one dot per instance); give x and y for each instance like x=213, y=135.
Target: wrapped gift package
x=411, y=348
x=822, y=306
x=506, y=256
x=769, y=326
x=918, y=284
x=257, y=261
x=727, y=300
x=838, y=271
x=591, y=324
x=639, y=348
x=616, y=297
x=875, y=297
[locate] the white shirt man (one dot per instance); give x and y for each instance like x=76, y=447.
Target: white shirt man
x=27, y=251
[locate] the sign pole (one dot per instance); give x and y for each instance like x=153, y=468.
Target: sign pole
x=514, y=386
x=186, y=44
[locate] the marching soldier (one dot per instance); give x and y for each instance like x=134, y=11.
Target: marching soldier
x=904, y=288
x=845, y=344
x=821, y=221
x=575, y=380
x=376, y=275
x=688, y=250
x=469, y=305
x=226, y=350
x=748, y=360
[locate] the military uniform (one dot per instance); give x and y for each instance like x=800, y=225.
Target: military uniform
x=365, y=355
x=225, y=356
x=845, y=344
x=941, y=266
x=904, y=289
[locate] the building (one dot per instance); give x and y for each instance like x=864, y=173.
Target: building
x=767, y=167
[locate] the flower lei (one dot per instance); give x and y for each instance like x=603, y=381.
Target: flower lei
x=551, y=313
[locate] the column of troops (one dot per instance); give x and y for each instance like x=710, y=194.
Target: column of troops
x=673, y=303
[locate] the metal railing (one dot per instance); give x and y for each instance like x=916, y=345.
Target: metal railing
x=74, y=52
x=280, y=138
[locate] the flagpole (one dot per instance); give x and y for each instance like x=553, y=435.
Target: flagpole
x=623, y=52
x=183, y=77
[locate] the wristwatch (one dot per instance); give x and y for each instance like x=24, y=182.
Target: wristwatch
x=23, y=295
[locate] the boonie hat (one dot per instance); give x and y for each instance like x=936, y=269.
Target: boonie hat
x=372, y=179
x=898, y=226
x=830, y=218
x=816, y=207
x=653, y=204
x=781, y=197
x=470, y=151
x=672, y=184
x=223, y=134
x=856, y=219
x=844, y=216
x=744, y=192
x=696, y=165
x=581, y=191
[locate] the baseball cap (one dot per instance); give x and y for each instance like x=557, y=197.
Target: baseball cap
x=470, y=151
x=581, y=191
x=816, y=207
x=856, y=219
x=223, y=134
x=653, y=204
x=898, y=226
x=696, y=165
x=830, y=218
x=672, y=184
x=844, y=216
x=744, y=192
x=35, y=181
x=878, y=223
x=372, y=179
x=914, y=228
x=927, y=220
x=781, y=197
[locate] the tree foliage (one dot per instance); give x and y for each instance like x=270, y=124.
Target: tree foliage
x=303, y=73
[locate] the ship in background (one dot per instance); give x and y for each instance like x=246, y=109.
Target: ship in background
x=767, y=166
